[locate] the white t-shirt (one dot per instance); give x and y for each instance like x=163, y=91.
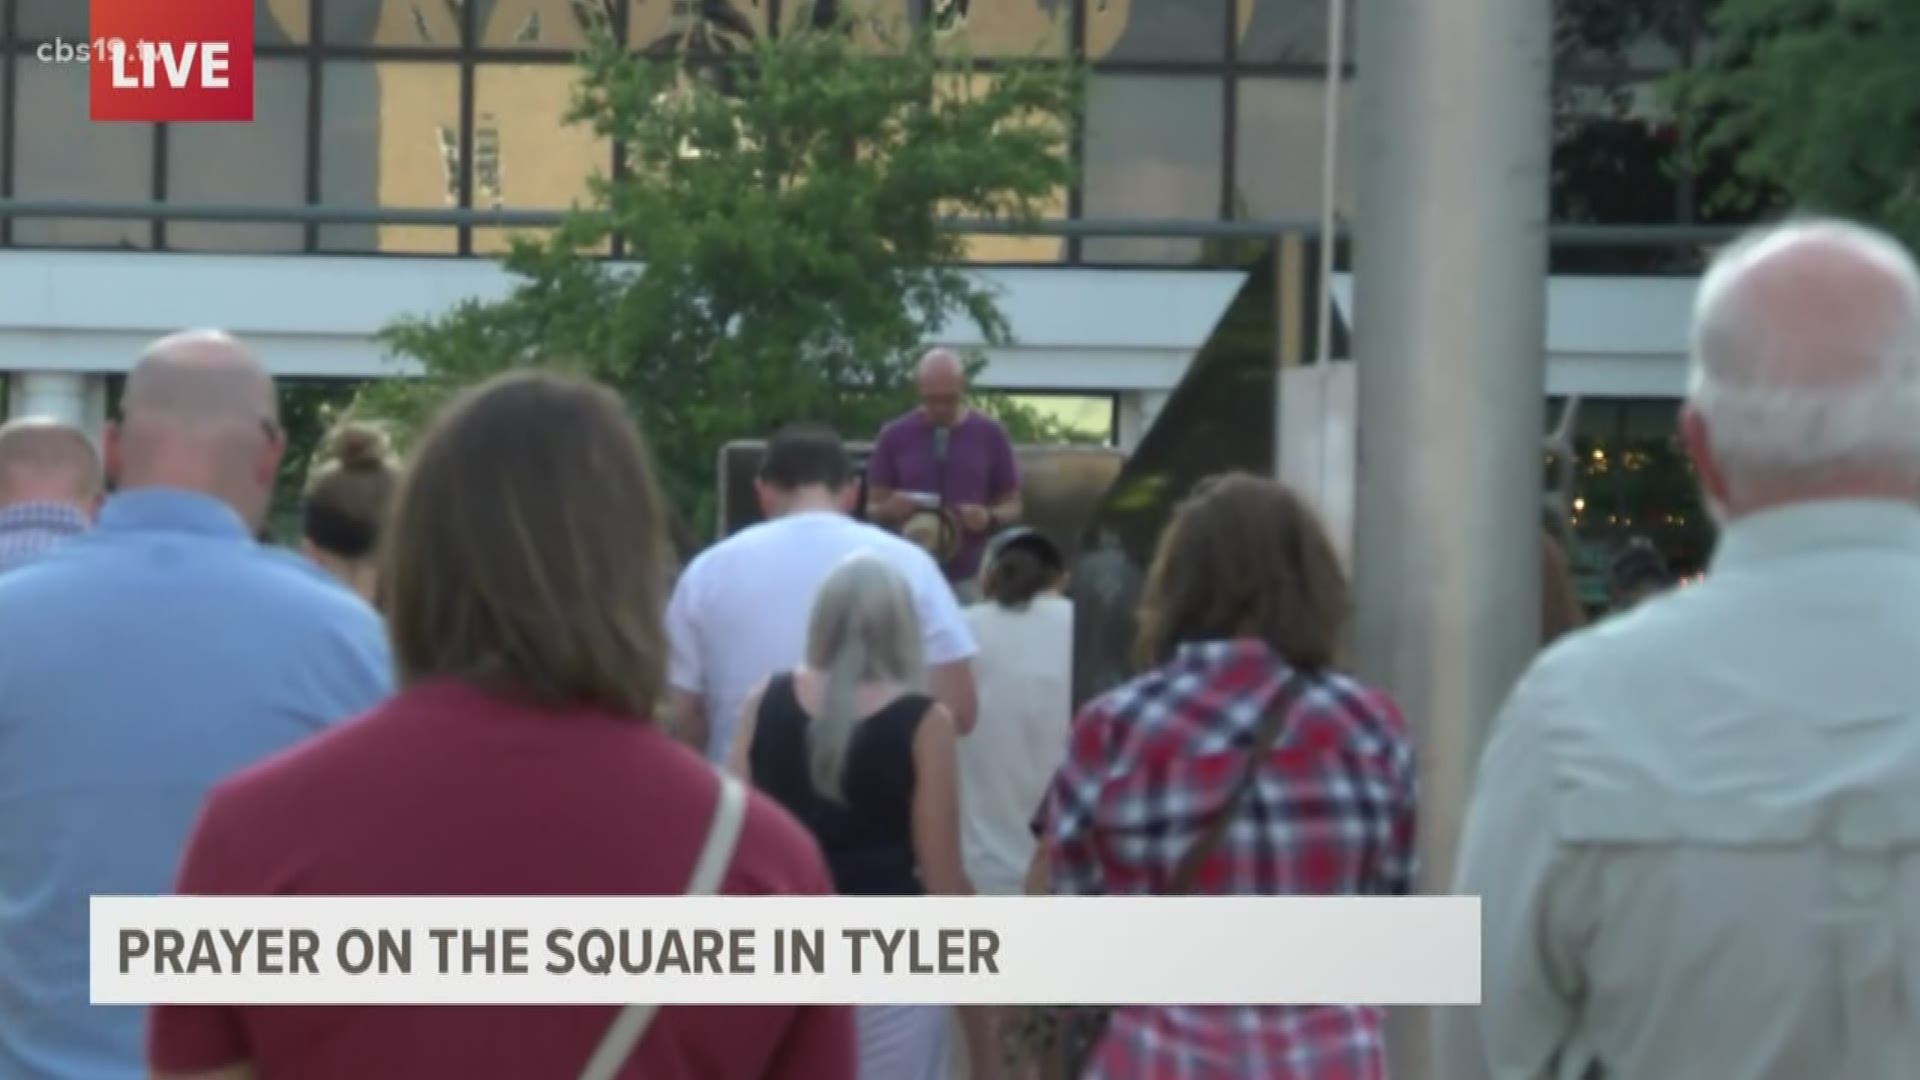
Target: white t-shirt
x=1025, y=678
x=739, y=612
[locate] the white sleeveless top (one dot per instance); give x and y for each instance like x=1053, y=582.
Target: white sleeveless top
x=1025, y=675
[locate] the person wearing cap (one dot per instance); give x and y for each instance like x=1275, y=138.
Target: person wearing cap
x=1637, y=572
x=1024, y=672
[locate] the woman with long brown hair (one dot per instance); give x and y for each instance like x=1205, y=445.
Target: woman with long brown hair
x=523, y=578
x=1241, y=762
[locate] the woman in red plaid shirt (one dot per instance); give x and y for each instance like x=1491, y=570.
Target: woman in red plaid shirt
x=1167, y=789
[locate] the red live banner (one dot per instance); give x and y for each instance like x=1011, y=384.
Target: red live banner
x=172, y=61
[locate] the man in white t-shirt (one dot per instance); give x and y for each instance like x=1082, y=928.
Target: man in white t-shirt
x=739, y=612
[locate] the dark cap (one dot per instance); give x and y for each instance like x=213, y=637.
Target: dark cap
x=1030, y=539
x=1637, y=563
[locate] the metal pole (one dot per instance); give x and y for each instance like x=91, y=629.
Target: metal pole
x=1450, y=323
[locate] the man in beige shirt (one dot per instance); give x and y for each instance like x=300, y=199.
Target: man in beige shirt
x=1696, y=826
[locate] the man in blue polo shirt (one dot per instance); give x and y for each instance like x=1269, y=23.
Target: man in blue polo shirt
x=140, y=664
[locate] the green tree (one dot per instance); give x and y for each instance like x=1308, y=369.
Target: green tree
x=787, y=217
x=1818, y=99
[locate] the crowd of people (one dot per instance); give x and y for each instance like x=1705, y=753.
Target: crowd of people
x=484, y=673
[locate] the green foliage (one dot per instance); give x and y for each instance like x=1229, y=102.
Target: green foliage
x=1817, y=97
x=788, y=223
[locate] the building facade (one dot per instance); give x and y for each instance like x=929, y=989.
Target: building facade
x=1197, y=110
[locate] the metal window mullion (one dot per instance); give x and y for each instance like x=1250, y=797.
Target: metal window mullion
x=316, y=89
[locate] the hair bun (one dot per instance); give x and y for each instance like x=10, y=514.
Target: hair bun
x=359, y=447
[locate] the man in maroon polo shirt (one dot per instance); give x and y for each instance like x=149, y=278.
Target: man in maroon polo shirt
x=945, y=457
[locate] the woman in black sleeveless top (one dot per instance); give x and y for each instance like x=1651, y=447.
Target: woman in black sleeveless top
x=868, y=836
x=848, y=744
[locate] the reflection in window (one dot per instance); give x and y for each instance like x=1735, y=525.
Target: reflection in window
x=257, y=164
x=1152, y=151
x=1633, y=479
x=60, y=154
x=1614, y=158
x=876, y=22
x=493, y=241
x=389, y=137
x=411, y=24
x=1087, y=420
x=697, y=27
x=1288, y=31
x=1000, y=249
x=542, y=24
x=1280, y=135
x=1156, y=29
x=524, y=158
x=282, y=22
x=1010, y=28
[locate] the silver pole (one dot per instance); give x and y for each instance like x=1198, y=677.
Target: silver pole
x=1450, y=324
x=1330, y=175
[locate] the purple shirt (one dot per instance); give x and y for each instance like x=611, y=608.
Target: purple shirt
x=979, y=471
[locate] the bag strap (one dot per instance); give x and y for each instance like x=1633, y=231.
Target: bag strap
x=1272, y=722
x=709, y=870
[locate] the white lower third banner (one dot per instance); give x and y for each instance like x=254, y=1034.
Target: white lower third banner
x=775, y=950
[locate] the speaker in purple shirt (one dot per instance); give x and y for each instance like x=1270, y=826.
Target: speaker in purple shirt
x=946, y=463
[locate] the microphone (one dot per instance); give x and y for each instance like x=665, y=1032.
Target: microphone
x=940, y=437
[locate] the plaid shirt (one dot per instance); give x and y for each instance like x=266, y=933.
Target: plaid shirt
x=1332, y=813
x=30, y=530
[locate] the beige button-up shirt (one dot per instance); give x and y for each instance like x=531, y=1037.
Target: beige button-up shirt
x=1697, y=826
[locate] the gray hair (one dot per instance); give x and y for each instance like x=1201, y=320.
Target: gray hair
x=1806, y=352
x=863, y=630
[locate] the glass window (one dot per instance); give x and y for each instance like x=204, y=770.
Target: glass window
x=282, y=22
x=259, y=164
x=1006, y=28
x=1085, y=419
x=390, y=136
x=1279, y=136
x=541, y=24
x=43, y=19
x=408, y=24
x=60, y=154
x=877, y=21
x=1152, y=151
x=523, y=158
x=1156, y=29
x=708, y=27
x=1288, y=32
x=1002, y=249
x=1613, y=158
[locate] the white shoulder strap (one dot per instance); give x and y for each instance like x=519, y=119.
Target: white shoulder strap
x=709, y=871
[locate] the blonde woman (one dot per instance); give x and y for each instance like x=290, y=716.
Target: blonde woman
x=851, y=745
